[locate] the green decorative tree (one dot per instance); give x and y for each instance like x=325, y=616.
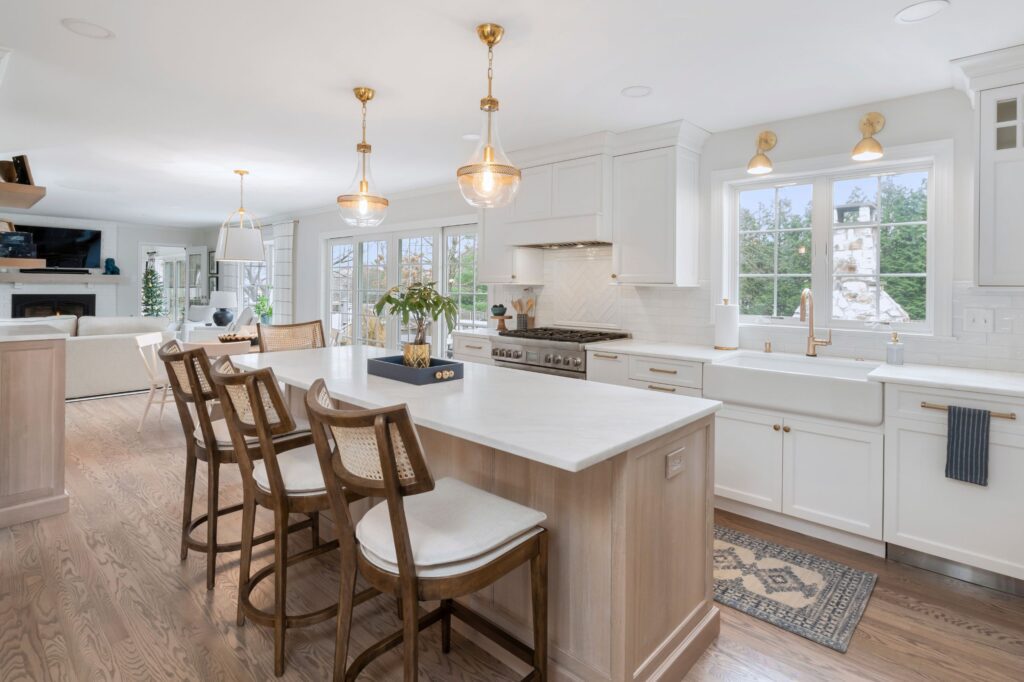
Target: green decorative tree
x=152, y=293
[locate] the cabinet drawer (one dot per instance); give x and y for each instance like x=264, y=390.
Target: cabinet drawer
x=467, y=345
x=607, y=368
x=671, y=372
x=664, y=388
x=909, y=402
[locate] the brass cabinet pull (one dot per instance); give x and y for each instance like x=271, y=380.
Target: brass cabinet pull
x=614, y=276
x=776, y=427
x=663, y=371
x=661, y=388
x=513, y=275
x=607, y=356
x=786, y=429
x=469, y=345
x=945, y=408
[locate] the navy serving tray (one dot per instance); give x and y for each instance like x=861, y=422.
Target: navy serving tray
x=391, y=367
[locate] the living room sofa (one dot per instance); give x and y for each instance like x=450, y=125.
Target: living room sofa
x=102, y=354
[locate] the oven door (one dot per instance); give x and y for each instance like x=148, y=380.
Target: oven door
x=542, y=370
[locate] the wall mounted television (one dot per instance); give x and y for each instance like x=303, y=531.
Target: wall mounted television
x=64, y=247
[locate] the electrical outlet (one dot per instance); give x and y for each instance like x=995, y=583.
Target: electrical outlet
x=978, y=320
x=674, y=463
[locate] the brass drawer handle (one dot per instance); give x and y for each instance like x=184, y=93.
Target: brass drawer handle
x=606, y=356
x=614, y=276
x=661, y=388
x=776, y=427
x=786, y=429
x=945, y=408
x=469, y=345
x=663, y=371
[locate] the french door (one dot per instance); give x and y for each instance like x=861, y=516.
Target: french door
x=361, y=269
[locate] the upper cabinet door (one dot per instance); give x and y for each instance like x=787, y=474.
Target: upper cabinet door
x=1000, y=181
x=533, y=200
x=644, y=222
x=576, y=187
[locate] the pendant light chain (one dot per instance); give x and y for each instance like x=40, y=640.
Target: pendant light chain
x=490, y=70
x=241, y=193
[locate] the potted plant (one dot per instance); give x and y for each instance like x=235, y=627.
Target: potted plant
x=262, y=308
x=420, y=302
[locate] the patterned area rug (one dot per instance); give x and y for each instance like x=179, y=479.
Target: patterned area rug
x=809, y=596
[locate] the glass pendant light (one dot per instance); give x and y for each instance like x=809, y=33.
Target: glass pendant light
x=359, y=207
x=869, y=149
x=489, y=180
x=241, y=235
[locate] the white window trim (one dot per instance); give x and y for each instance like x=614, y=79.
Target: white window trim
x=391, y=233
x=938, y=155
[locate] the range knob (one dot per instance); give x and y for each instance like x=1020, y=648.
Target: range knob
x=558, y=359
x=566, y=360
x=547, y=359
x=517, y=354
x=502, y=353
x=577, y=362
x=495, y=352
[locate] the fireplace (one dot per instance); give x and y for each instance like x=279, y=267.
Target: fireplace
x=42, y=305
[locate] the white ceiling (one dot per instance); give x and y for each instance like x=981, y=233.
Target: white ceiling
x=147, y=127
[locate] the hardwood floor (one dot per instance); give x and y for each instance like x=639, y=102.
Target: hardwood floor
x=99, y=593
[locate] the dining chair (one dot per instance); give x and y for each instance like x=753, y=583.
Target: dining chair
x=298, y=336
x=428, y=541
x=158, y=385
x=208, y=440
x=284, y=482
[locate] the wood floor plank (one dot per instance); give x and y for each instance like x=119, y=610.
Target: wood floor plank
x=100, y=593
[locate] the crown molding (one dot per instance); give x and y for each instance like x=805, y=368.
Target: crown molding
x=988, y=70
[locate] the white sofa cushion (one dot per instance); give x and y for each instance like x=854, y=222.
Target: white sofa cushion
x=100, y=326
x=223, y=435
x=101, y=365
x=452, y=523
x=65, y=323
x=300, y=471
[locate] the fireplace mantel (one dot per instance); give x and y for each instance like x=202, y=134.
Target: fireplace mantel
x=58, y=278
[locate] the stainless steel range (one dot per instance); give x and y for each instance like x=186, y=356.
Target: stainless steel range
x=549, y=350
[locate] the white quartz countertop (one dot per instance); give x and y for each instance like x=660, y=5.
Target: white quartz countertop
x=663, y=350
x=30, y=332
x=565, y=423
x=954, y=378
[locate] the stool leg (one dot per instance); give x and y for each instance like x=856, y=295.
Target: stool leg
x=212, y=495
x=190, y=488
x=245, y=562
x=346, y=603
x=280, y=585
x=315, y=528
x=410, y=633
x=149, y=402
x=539, y=588
x=446, y=627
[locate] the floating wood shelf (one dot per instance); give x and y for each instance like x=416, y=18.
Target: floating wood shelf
x=57, y=278
x=14, y=195
x=22, y=262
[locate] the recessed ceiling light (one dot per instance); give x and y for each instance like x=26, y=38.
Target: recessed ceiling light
x=920, y=11
x=87, y=29
x=471, y=137
x=636, y=91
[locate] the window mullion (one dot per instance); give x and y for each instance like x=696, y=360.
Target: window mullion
x=821, y=240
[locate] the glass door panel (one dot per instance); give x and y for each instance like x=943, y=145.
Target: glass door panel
x=341, y=280
x=371, y=283
x=417, y=265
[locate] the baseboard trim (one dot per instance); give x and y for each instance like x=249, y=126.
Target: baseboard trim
x=955, y=569
x=690, y=649
x=34, y=509
x=815, y=530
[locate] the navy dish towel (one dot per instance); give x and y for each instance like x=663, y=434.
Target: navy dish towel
x=967, y=445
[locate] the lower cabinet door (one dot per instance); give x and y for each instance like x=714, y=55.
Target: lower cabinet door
x=832, y=475
x=748, y=457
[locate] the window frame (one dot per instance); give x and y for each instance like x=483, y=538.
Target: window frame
x=935, y=157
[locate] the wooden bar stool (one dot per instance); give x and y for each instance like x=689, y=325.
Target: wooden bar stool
x=284, y=482
x=298, y=336
x=427, y=541
x=207, y=440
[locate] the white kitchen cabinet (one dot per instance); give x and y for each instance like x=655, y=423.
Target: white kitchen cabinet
x=501, y=263
x=1000, y=179
x=832, y=475
x=927, y=512
x=471, y=348
x=664, y=388
x=577, y=187
x=655, y=216
x=533, y=199
x=748, y=457
x=607, y=368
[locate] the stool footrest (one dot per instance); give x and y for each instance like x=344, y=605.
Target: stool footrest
x=200, y=545
x=263, y=617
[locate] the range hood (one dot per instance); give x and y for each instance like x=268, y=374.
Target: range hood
x=567, y=245
x=592, y=229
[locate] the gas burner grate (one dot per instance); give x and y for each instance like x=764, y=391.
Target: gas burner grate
x=563, y=335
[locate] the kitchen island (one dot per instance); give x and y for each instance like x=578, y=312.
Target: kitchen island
x=625, y=478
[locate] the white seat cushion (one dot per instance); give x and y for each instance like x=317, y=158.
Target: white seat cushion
x=223, y=435
x=300, y=471
x=452, y=524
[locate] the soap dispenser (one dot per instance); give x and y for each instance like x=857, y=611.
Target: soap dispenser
x=894, y=350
